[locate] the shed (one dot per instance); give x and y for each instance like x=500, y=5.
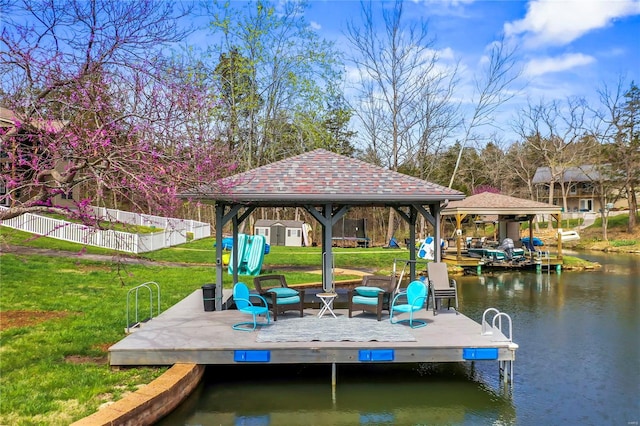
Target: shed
x=280, y=232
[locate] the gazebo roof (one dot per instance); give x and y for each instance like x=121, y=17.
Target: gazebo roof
x=487, y=203
x=318, y=177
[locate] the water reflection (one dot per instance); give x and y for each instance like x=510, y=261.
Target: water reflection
x=373, y=394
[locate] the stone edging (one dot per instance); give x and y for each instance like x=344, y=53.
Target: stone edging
x=152, y=402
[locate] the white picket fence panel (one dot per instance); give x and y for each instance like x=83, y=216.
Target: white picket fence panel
x=199, y=229
x=170, y=235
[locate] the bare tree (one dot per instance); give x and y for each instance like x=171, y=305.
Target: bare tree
x=398, y=73
x=523, y=163
x=616, y=128
x=552, y=131
x=492, y=89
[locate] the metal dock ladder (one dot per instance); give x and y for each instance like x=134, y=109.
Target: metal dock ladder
x=150, y=286
x=505, y=368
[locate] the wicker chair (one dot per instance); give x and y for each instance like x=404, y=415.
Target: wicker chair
x=279, y=295
x=373, y=295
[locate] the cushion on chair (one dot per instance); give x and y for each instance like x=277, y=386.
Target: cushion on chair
x=363, y=300
x=283, y=292
x=368, y=291
x=288, y=300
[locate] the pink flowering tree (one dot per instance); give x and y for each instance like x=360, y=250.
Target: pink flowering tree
x=95, y=101
x=485, y=188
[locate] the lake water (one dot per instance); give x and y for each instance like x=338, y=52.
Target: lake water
x=578, y=364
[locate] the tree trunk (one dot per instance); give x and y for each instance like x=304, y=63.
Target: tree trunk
x=633, y=208
x=391, y=228
x=552, y=185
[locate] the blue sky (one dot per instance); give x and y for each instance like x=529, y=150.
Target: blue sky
x=564, y=48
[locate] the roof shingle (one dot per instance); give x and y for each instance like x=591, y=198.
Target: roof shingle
x=323, y=176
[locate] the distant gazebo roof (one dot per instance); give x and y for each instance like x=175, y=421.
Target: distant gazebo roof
x=488, y=203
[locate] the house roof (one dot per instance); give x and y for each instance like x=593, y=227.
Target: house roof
x=8, y=118
x=318, y=177
x=586, y=173
x=488, y=203
x=286, y=223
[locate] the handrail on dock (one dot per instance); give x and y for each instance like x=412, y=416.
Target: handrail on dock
x=407, y=262
x=148, y=285
x=497, y=318
x=505, y=368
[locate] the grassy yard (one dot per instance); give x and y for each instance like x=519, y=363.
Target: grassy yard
x=59, y=316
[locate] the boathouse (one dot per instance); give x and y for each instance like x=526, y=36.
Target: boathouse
x=327, y=185
x=508, y=211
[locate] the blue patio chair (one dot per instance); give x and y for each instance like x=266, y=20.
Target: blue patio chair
x=415, y=295
x=241, y=298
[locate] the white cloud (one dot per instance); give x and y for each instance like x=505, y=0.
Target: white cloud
x=315, y=26
x=539, y=66
x=553, y=22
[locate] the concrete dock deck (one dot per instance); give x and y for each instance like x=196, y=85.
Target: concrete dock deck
x=185, y=333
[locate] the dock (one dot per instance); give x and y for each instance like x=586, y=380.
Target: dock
x=186, y=333
x=478, y=264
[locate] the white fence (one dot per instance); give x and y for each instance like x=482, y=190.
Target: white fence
x=115, y=240
x=199, y=229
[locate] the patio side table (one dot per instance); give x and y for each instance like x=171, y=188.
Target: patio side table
x=327, y=303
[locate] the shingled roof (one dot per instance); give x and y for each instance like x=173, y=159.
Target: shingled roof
x=487, y=203
x=320, y=176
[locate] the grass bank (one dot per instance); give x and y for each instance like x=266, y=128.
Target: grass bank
x=618, y=239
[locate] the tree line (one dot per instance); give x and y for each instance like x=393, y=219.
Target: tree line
x=132, y=103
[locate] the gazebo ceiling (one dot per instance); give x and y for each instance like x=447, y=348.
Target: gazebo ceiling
x=319, y=177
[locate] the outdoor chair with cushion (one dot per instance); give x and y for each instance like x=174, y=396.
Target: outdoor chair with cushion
x=372, y=295
x=441, y=286
x=241, y=298
x=280, y=297
x=411, y=300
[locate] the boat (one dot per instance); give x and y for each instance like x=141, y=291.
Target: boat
x=487, y=253
x=568, y=236
x=536, y=241
x=504, y=252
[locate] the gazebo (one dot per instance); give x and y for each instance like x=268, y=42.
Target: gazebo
x=326, y=185
x=507, y=209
